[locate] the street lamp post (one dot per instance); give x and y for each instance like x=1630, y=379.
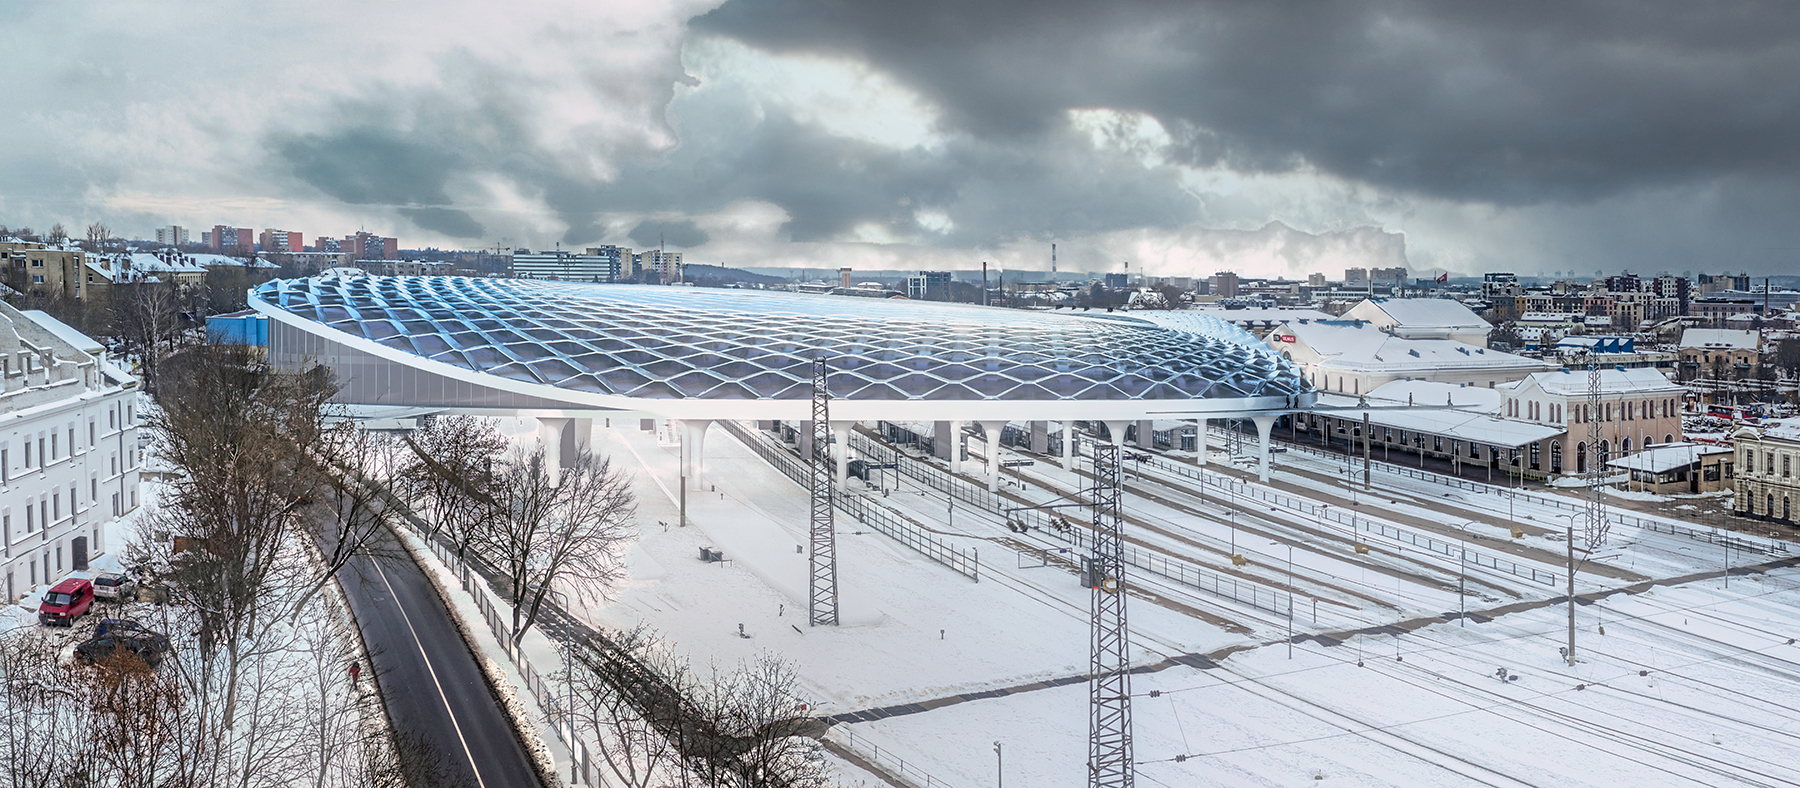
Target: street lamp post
x=1462, y=575
x=999, y=767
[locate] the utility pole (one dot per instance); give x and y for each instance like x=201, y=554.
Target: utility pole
x=822, y=599
x=984, y=283
x=1110, y=762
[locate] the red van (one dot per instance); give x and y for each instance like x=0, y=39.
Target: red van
x=69, y=600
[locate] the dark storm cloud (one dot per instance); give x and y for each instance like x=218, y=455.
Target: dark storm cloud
x=681, y=235
x=732, y=149
x=449, y=221
x=1513, y=103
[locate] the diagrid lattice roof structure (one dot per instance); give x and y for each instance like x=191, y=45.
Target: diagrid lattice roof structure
x=707, y=353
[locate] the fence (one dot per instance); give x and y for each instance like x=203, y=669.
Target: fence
x=889, y=760
x=1220, y=585
x=1768, y=546
x=1324, y=514
x=964, y=562
x=496, y=615
x=929, y=476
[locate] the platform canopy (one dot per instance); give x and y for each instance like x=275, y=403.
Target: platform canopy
x=683, y=352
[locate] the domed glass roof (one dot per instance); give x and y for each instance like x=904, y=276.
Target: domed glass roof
x=688, y=343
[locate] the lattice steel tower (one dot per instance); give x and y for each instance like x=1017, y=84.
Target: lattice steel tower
x=822, y=602
x=1109, y=679
x=1595, y=528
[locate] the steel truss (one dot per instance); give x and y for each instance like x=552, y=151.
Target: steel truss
x=1109, y=680
x=822, y=601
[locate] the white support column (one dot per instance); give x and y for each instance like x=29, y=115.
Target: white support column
x=693, y=447
x=1200, y=442
x=550, y=434
x=1146, y=434
x=992, y=430
x=584, y=433
x=840, y=434
x=1264, y=425
x=1068, y=444
x=1116, y=432
x=956, y=442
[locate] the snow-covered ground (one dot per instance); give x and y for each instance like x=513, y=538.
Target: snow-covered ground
x=1718, y=663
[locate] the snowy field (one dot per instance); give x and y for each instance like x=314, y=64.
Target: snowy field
x=1715, y=706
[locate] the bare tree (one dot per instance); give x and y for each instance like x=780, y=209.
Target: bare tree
x=147, y=318
x=617, y=709
x=571, y=525
x=57, y=235
x=99, y=238
x=447, y=473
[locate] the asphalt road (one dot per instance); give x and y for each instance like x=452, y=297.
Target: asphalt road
x=452, y=731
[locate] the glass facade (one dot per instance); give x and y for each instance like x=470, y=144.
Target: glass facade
x=717, y=344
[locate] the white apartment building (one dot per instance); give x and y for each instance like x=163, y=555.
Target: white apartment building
x=68, y=450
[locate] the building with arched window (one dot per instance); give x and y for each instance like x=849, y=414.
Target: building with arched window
x=1768, y=470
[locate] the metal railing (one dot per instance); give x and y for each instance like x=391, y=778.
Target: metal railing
x=1359, y=523
x=964, y=562
x=1765, y=546
x=888, y=759
x=928, y=475
x=1221, y=585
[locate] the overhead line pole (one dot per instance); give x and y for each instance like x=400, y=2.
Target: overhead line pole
x=1109, y=680
x=822, y=597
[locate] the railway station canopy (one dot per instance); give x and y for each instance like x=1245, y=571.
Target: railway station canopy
x=480, y=344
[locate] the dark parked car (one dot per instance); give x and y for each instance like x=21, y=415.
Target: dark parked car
x=148, y=646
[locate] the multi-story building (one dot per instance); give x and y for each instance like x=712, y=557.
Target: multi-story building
x=1676, y=287
x=1394, y=278
x=369, y=246
x=174, y=235
x=43, y=270
x=1637, y=408
x=564, y=266
x=282, y=241
x=928, y=286
x=324, y=245
x=230, y=240
x=1225, y=284
x=1719, y=353
x=68, y=451
x=1356, y=277
x=1499, y=284
x=1768, y=470
x=654, y=265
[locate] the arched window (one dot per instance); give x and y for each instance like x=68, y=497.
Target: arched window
x=1625, y=447
x=1581, y=457
x=1770, y=508
x=1604, y=455
x=1555, y=457
x=1669, y=438
x=1787, y=513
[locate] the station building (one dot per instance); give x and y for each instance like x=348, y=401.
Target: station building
x=566, y=353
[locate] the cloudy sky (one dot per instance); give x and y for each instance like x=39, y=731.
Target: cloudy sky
x=1181, y=137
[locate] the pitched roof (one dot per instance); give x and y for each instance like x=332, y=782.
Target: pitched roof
x=1566, y=382
x=1720, y=338
x=1427, y=312
x=1350, y=343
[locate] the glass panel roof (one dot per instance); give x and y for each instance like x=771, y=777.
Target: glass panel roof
x=687, y=343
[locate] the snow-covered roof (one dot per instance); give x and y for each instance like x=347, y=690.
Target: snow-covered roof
x=1566, y=382
x=1667, y=457
x=142, y=261
x=1475, y=425
x=65, y=332
x=1551, y=317
x=1719, y=338
x=1425, y=312
x=1347, y=343
x=1782, y=429
x=1433, y=393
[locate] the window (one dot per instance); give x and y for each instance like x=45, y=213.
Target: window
x=90, y=433
x=27, y=454
x=1785, y=472
x=1437, y=443
x=1387, y=435
x=56, y=508
x=53, y=450
x=37, y=279
x=93, y=489
x=30, y=520
x=1769, y=463
x=1474, y=450
x=1537, y=453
